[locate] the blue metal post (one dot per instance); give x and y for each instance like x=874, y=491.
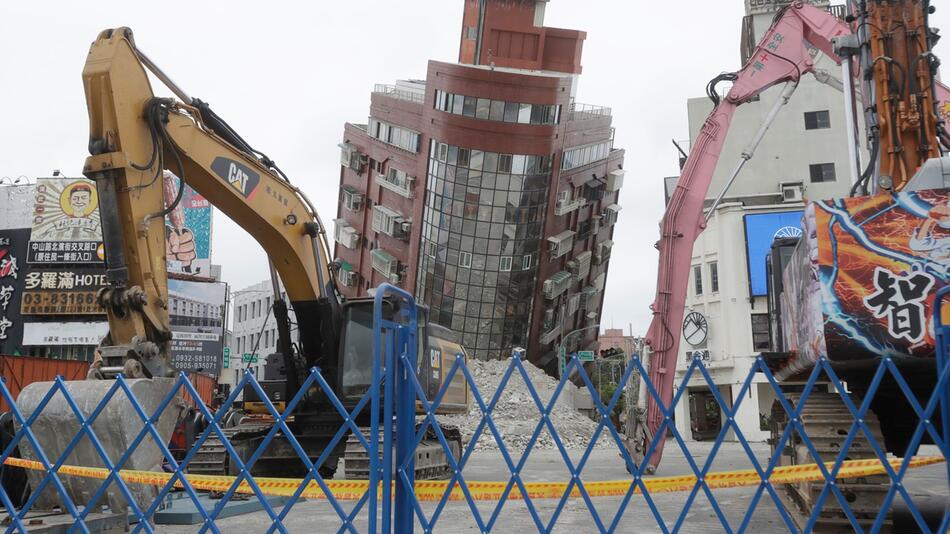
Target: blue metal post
x=387, y=461
x=398, y=400
x=405, y=430
x=942, y=339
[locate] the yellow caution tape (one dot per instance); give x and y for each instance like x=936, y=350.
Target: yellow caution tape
x=433, y=490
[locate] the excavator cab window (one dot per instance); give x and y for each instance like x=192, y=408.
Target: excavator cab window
x=357, y=345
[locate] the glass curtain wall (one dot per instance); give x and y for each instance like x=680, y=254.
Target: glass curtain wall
x=481, y=236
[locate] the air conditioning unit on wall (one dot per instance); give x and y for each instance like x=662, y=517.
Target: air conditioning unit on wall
x=792, y=192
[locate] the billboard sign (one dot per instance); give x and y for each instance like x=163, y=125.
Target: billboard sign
x=12, y=253
x=71, y=333
x=16, y=205
x=187, y=230
x=197, y=320
x=66, y=226
x=760, y=230
x=62, y=290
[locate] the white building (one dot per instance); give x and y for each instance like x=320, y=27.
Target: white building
x=804, y=155
x=253, y=329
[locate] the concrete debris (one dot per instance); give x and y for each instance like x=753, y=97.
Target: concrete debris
x=516, y=415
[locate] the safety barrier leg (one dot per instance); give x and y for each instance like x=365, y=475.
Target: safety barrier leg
x=399, y=401
x=405, y=432
x=942, y=338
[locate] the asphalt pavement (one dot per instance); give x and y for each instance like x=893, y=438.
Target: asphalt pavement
x=928, y=487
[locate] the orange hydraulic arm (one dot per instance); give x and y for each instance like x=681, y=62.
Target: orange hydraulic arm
x=903, y=72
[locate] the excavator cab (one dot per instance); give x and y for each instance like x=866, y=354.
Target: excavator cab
x=436, y=353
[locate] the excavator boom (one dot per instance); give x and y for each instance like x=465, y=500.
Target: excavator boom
x=133, y=137
x=781, y=56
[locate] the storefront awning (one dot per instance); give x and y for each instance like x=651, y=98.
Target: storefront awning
x=382, y=255
x=346, y=266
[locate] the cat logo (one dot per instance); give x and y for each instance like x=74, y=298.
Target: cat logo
x=238, y=175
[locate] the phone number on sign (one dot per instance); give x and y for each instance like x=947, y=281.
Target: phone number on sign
x=59, y=303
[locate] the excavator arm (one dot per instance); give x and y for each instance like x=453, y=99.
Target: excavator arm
x=782, y=55
x=133, y=138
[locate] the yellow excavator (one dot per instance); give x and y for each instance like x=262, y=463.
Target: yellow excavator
x=134, y=137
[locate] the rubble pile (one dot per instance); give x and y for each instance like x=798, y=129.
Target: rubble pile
x=516, y=415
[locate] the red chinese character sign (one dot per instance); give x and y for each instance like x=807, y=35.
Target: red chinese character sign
x=862, y=281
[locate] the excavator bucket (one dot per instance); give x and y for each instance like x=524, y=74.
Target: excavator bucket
x=116, y=427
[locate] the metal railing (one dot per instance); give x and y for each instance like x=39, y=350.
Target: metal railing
x=577, y=111
x=392, y=501
x=401, y=94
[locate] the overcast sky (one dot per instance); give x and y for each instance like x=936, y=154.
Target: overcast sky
x=288, y=77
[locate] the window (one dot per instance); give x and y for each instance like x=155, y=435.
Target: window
x=511, y=111
x=482, y=108
x=397, y=181
x=817, y=120
x=468, y=106
x=385, y=220
x=385, y=263
x=429, y=248
x=267, y=338
x=698, y=279
x=526, y=261
x=585, y=155
x=463, y=157
x=714, y=276
x=465, y=259
x=351, y=197
x=471, y=33
x=497, y=112
x=504, y=162
x=504, y=263
x=822, y=172
x=760, y=331
x=396, y=136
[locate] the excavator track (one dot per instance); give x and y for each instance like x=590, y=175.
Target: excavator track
x=213, y=459
x=827, y=421
x=431, y=461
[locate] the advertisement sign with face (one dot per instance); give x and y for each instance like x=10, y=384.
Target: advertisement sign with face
x=66, y=226
x=187, y=230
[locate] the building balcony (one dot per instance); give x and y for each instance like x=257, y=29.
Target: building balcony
x=557, y=284
x=399, y=93
x=386, y=264
x=550, y=335
x=579, y=112
x=563, y=207
x=602, y=252
x=397, y=181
